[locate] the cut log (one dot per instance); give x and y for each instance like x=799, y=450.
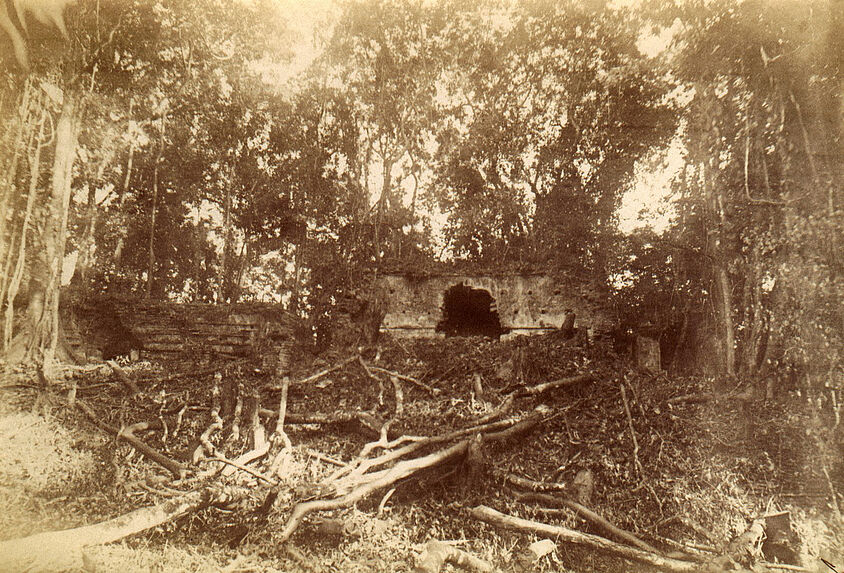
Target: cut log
x=559, y=533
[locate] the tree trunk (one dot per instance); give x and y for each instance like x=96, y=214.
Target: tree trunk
x=15, y=277
x=151, y=253
x=223, y=277
x=39, y=340
x=297, y=279
x=715, y=205
x=726, y=317
x=62, y=550
x=121, y=205
x=86, y=247
x=9, y=171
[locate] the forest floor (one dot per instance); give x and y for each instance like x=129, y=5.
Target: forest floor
x=685, y=464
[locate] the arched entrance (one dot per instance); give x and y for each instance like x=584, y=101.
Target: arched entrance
x=468, y=311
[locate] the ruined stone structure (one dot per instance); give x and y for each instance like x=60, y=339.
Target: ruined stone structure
x=488, y=304
x=162, y=330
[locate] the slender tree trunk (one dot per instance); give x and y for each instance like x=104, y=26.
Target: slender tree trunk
x=757, y=320
x=384, y=203
x=297, y=280
x=244, y=258
x=17, y=274
x=223, y=277
x=726, y=317
x=121, y=204
x=86, y=246
x=9, y=171
x=151, y=250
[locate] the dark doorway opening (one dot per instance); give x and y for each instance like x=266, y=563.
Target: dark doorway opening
x=469, y=311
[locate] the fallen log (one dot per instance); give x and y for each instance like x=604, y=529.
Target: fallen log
x=498, y=519
x=691, y=399
x=437, y=554
x=63, y=550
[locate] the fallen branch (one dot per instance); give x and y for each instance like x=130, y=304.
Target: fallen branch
x=502, y=410
x=784, y=566
x=562, y=382
x=247, y=457
x=352, y=492
x=498, y=519
x=62, y=550
x=127, y=435
x=124, y=378
x=374, y=378
x=693, y=550
x=243, y=468
x=318, y=375
x=322, y=457
x=592, y=516
x=359, y=466
x=636, y=463
x=430, y=389
x=690, y=399
x=357, y=418
x=533, y=485
x=437, y=554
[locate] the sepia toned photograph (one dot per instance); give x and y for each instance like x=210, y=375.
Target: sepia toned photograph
x=421, y=286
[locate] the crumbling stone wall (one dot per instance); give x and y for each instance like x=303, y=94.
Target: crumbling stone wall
x=159, y=329
x=526, y=303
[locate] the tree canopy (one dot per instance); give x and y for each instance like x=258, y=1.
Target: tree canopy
x=150, y=143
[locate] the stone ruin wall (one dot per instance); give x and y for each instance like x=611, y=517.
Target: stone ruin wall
x=525, y=303
x=162, y=330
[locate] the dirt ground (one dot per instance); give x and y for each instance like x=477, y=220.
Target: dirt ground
x=698, y=472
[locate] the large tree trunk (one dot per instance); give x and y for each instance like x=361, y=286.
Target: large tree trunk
x=39, y=340
x=715, y=205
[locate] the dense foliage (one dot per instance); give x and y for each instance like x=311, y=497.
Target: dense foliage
x=155, y=144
